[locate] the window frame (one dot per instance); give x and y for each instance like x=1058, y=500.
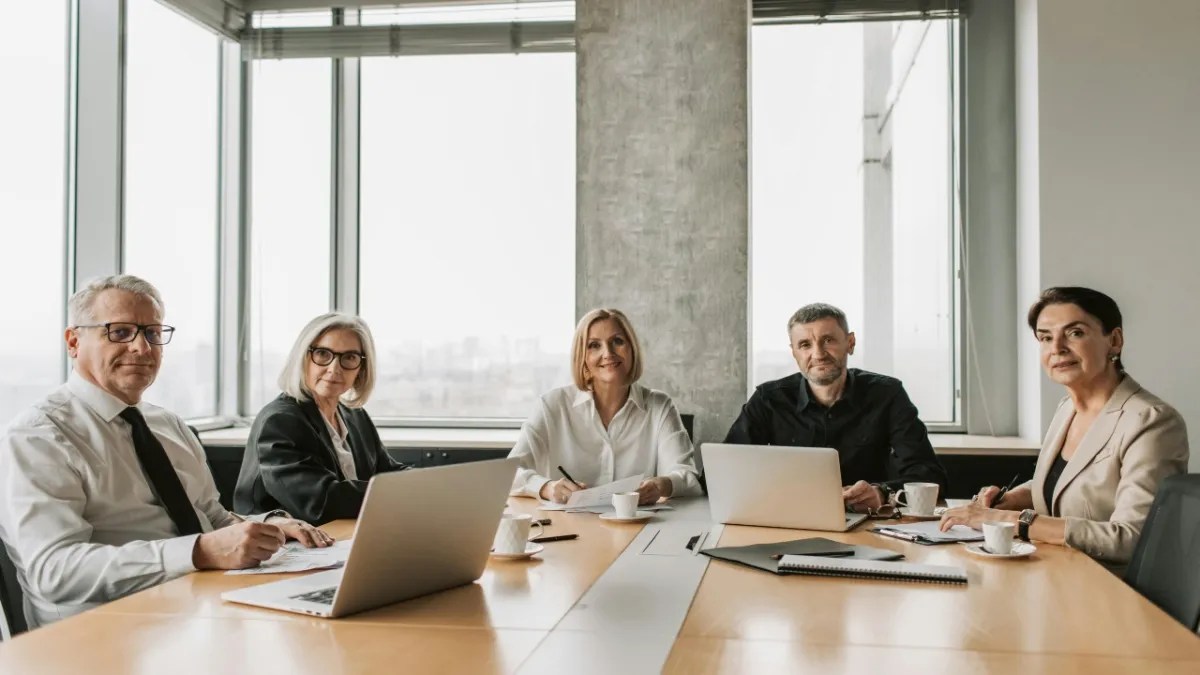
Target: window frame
x=94, y=222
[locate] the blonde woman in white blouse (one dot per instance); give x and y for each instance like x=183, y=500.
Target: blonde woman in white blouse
x=605, y=426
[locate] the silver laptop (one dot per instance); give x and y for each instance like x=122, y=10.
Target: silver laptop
x=419, y=532
x=776, y=486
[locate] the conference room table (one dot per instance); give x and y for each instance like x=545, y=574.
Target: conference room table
x=628, y=598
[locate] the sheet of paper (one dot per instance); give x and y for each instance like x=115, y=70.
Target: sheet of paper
x=294, y=557
x=931, y=531
x=602, y=495
x=610, y=509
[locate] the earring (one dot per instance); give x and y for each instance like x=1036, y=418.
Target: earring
x=1114, y=358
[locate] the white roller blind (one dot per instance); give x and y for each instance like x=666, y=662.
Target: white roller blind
x=410, y=40
x=836, y=11
x=224, y=17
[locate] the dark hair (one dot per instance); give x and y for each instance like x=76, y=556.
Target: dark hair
x=817, y=311
x=1094, y=303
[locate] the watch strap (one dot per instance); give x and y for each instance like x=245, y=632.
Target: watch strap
x=1023, y=523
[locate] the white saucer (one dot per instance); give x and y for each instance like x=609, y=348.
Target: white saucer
x=937, y=513
x=638, y=517
x=1020, y=549
x=530, y=550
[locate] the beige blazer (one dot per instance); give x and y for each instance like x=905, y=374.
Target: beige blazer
x=1107, y=487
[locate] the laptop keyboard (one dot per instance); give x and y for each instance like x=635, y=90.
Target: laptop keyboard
x=321, y=597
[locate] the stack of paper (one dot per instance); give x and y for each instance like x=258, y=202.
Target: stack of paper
x=294, y=557
x=929, y=532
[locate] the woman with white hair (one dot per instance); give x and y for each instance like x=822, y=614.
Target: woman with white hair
x=313, y=449
x=605, y=426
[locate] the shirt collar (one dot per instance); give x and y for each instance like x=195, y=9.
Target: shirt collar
x=804, y=397
x=333, y=431
x=104, y=404
x=637, y=396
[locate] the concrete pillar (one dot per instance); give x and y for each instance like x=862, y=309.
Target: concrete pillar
x=663, y=196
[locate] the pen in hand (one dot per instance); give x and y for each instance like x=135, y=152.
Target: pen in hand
x=568, y=477
x=1004, y=490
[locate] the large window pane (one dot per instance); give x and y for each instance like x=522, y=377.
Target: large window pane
x=845, y=117
x=922, y=220
x=468, y=230
x=290, y=211
x=171, y=142
x=806, y=243
x=32, y=170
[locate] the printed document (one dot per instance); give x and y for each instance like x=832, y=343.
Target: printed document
x=294, y=557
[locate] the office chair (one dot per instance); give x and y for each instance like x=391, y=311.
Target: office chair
x=1166, y=563
x=12, y=610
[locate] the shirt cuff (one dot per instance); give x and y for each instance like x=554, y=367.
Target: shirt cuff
x=177, y=555
x=262, y=517
x=533, y=487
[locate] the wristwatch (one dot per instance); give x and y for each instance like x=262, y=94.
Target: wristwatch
x=885, y=490
x=1023, y=522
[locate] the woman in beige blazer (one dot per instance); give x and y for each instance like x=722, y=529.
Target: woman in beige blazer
x=1109, y=446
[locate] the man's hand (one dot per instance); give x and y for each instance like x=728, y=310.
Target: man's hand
x=560, y=490
x=862, y=496
x=652, y=489
x=309, y=535
x=237, y=546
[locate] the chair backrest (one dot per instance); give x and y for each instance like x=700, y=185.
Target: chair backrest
x=12, y=616
x=1166, y=563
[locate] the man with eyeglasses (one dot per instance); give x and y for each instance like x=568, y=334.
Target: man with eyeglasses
x=104, y=494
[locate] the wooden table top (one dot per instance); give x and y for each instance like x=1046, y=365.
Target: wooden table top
x=532, y=594
x=1058, y=601
x=1057, y=612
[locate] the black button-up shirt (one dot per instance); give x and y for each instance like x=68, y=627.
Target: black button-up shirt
x=873, y=422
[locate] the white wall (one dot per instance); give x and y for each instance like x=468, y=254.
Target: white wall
x=1107, y=123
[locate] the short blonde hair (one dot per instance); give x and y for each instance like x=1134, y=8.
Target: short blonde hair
x=291, y=379
x=578, y=363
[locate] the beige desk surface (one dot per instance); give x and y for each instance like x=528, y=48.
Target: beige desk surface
x=1057, y=612
x=1056, y=602
x=525, y=595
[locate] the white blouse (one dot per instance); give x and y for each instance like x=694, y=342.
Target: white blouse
x=646, y=436
x=345, y=458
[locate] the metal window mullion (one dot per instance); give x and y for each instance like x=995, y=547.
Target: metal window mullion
x=99, y=152
x=344, y=201
x=232, y=286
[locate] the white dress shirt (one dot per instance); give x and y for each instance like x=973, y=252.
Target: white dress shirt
x=645, y=436
x=344, y=457
x=77, y=513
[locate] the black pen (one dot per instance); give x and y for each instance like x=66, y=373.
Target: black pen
x=556, y=537
x=1004, y=490
x=568, y=477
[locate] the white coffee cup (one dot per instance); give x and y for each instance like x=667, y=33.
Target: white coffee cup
x=998, y=537
x=625, y=504
x=919, y=498
x=513, y=533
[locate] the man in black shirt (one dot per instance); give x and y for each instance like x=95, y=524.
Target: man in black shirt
x=867, y=417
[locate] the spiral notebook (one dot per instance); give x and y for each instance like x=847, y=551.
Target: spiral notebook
x=871, y=569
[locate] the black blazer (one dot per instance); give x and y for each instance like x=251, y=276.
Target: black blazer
x=290, y=463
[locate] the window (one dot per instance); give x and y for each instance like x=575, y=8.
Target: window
x=854, y=169
x=290, y=221
x=171, y=143
x=33, y=132
x=468, y=230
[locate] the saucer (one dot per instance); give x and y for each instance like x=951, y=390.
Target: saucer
x=638, y=517
x=1020, y=549
x=937, y=513
x=530, y=550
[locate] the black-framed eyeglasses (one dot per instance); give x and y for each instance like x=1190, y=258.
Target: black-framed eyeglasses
x=119, y=331
x=347, y=360
x=884, y=512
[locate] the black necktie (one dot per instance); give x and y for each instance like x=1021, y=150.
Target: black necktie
x=163, y=478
